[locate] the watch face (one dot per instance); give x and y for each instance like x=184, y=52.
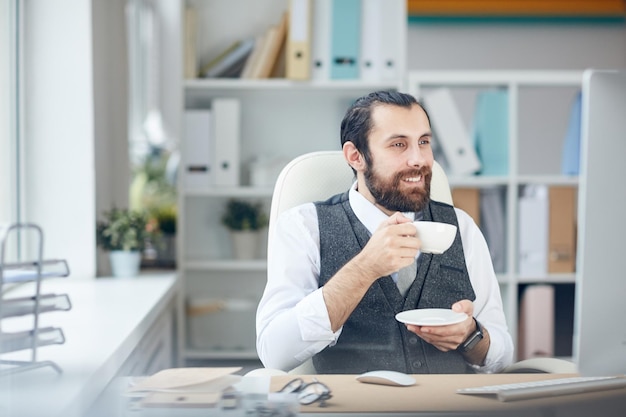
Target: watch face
x=474, y=338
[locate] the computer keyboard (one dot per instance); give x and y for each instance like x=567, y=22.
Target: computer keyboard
x=548, y=387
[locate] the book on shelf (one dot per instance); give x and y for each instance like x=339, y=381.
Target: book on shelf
x=191, y=64
x=229, y=58
x=273, y=41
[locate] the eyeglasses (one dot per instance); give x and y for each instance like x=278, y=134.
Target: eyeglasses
x=308, y=393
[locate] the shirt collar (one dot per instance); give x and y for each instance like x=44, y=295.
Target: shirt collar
x=370, y=215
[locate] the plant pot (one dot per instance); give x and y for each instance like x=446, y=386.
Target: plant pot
x=245, y=244
x=125, y=263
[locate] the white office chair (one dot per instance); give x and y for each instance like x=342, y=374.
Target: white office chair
x=317, y=176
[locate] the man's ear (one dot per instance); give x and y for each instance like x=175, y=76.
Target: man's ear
x=353, y=156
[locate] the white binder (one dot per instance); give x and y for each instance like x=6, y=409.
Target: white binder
x=320, y=39
x=226, y=133
x=451, y=133
x=533, y=231
x=391, y=22
x=197, y=150
x=372, y=14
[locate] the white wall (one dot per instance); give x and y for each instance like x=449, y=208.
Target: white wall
x=516, y=46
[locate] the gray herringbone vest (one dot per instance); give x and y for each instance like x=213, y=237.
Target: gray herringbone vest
x=372, y=338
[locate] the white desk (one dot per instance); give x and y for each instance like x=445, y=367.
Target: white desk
x=115, y=327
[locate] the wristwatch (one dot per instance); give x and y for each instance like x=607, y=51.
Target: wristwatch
x=472, y=339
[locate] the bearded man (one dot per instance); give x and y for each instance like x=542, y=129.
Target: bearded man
x=341, y=269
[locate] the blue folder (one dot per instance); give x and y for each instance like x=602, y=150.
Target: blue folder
x=345, y=39
x=570, y=162
x=491, y=131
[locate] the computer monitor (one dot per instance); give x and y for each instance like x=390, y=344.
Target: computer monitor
x=600, y=305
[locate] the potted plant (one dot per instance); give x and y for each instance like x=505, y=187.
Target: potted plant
x=165, y=217
x=123, y=233
x=245, y=221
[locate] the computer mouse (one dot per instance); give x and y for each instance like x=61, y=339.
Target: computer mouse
x=393, y=378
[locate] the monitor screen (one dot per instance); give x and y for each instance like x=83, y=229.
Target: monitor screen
x=600, y=307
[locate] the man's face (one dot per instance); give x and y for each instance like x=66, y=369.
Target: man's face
x=398, y=178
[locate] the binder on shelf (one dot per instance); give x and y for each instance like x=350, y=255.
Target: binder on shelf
x=468, y=200
x=562, y=234
x=191, y=63
x=298, y=54
x=536, y=322
x=449, y=130
x=371, y=39
x=533, y=231
x=490, y=131
x=570, y=163
x=226, y=134
x=345, y=39
x=493, y=224
x=320, y=40
x=380, y=45
x=198, y=150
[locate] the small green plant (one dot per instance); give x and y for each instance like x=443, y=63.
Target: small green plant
x=243, y=215
x=166, y=219
x=123, y=229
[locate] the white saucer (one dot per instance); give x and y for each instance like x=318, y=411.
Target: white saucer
x=430, y=317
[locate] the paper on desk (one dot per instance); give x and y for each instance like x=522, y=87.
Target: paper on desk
x=188, y=379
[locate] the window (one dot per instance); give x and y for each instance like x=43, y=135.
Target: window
x=8, y=112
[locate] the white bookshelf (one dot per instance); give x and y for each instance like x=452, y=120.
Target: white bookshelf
x=279, y=118
x=518, y=84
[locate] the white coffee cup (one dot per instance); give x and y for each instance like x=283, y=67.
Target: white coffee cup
x=436, y=237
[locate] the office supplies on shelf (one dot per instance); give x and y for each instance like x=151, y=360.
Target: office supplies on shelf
x=533, y=230
x=450, y=132
x=198, y=171
x=490, y=131
x=570, y=159
x=22, y=273
x=345, y=39
x=562, y=229
x=298, y=64
x=547, y=388
x=226, y=131
x=536, y=322
x=320, y=40
x=233, y=55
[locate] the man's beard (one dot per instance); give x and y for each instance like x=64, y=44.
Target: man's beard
x=387, y=193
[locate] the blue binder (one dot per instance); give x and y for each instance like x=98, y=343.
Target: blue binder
x=570, y=162
x=491, y=132
x=345, y=39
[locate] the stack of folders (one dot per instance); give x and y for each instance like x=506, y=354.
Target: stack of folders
x=318, y=40
x=211, y=146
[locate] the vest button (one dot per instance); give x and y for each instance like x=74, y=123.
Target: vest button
x=413, y=340
x=417, y=364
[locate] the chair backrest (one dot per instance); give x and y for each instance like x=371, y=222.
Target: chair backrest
x=319, y=175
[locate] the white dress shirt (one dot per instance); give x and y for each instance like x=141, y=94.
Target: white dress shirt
x=292, y=320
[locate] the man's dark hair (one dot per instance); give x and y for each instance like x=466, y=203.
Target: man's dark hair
x=357, y=122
